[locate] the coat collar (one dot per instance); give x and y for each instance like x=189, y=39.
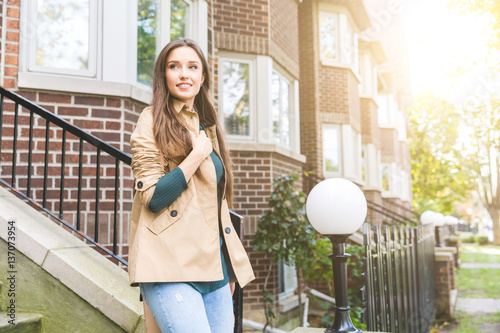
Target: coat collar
x=180, y=106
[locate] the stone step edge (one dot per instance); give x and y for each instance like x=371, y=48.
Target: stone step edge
x=21, y=318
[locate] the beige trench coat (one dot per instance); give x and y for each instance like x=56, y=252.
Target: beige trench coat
x=181, y=242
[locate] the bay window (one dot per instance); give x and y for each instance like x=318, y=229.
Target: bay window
x=338, y=40
x=102, y=47
x=258, y=116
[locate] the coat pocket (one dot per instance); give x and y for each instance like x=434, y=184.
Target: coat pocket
x=172, y=213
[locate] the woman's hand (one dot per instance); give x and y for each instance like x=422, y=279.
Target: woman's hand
x=202, y=146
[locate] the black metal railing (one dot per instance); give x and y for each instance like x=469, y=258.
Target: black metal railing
x=59, y=168
x=399, y=293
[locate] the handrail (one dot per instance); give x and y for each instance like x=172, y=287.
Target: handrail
x=84, y=137
x=56, y=120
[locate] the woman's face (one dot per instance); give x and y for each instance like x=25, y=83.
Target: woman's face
x=184, y=74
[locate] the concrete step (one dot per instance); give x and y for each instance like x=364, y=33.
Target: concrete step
x=23, y=323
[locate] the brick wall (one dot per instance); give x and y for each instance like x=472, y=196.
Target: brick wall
x=284, y=34
x=308, y=95
x=253, y=175
x=369, y=122
x=445, y=272
x=242, y=26
x=11, y=23
x=389, y=145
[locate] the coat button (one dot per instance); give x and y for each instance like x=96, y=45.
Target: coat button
x=228, y=230
x=173, y=213
x=139, y=185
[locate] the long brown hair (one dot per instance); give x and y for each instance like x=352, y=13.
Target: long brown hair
x=168, y=126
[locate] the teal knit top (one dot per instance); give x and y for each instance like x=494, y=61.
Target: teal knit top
x=168, y=189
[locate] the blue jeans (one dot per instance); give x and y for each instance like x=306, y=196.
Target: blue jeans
x=179, y=308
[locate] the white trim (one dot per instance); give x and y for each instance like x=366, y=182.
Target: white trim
x=271, y=148
x=199, y=30
x=264, y=69
x=84, y=86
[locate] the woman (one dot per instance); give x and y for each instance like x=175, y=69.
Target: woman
x=183, y=249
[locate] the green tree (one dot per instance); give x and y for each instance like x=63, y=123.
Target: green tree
x=285, y=234
x=488, y=9
x=480, y=155
x=438, y=180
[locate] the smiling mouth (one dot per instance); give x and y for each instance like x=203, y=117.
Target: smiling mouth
x=184, y=85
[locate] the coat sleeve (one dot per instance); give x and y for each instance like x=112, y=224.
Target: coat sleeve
x=147, y=162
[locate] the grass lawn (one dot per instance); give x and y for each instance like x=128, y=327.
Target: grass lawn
x=468, y=323
x=482, y=282
x=479, y=283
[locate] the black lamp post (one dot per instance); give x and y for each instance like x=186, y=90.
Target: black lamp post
x=337, y=208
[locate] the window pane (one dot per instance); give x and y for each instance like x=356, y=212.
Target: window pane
x=331, y=150
x=385, y=177
x=147, y=19
x=346, y=44
x=285, y=122
x=62, y=34
x=328, y=36
x=235, y=100
x=275, y=96
x=178, y=19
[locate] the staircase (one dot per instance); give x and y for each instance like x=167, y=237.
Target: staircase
x=62, y=283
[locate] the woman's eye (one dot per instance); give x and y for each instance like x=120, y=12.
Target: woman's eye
x=172, y=66
x=193, y=67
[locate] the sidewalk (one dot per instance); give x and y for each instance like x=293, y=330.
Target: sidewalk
x=477, y=306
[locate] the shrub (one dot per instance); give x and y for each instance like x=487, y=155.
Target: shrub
x=467, y=237
x=482, y=239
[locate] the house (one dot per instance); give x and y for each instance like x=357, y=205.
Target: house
x=300, y=86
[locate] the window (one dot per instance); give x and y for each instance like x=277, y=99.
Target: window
x=385, y=177
x=328, y=35
x=331, y=150
x=235, y=100
x=287, y=280
x=150, y=39
x=280, y=94
x=338, y=41
x=65, y=41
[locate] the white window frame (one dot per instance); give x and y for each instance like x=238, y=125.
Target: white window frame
x=331, y=174
x=368, y=74
x=252, y=121
x=95, y=33
x=343, y=19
